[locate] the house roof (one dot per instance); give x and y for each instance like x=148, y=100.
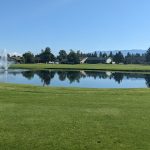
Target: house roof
x=96, y=59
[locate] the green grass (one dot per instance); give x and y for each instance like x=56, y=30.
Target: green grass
x=73, y=119
x=144, y=68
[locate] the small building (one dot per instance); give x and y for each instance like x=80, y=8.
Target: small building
x=83, y=60
x=56, y=61
x=16, y=59
x=51, y=62
x=109, y=61
x=95, y=60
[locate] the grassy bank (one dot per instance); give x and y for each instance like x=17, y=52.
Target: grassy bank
x=142, y=68
x=73, y=119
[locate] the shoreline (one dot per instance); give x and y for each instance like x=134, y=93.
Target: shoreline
x=86, y=67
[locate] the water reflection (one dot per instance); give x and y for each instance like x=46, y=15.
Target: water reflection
x=28, y=74
x=62, y=75
x=147, y=79
x=74, y=76
x=47, y=76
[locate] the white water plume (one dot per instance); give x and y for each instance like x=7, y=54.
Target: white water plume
x=4, y=63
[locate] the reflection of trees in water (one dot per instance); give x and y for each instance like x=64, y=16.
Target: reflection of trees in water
x=62, y=75
x=46, y=76
x=134, y=75
x=74, y=76
x=96, y=75
x=147, y=79
x=28, y=74
x=118, y=77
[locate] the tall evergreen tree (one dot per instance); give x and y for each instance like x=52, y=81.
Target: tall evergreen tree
x=100, y=54
x=119, y=58
x=148, y=56
x=110, y=55
x=95, y=54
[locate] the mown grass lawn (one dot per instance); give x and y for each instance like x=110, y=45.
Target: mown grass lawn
x=73, y=119
x=107, y=67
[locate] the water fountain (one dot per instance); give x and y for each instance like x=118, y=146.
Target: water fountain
x=3, y=60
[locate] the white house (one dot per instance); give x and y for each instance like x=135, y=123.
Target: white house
x=109, y=60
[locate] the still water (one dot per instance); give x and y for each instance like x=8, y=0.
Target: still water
x=82, y=78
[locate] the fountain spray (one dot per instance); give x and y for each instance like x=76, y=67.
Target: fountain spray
x=3, y=60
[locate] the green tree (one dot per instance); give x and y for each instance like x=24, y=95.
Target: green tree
x=128, y=59
x=46, y=55
x=119, y=58
x=100, y=54
x=148, y=56
x=28, y=57
x=104, y=55
x=110, y=55
x=37, y=58
x=73, y=58
x=62, y=56
x=95, y=54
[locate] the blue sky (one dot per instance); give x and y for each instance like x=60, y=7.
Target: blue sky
x=86, y=25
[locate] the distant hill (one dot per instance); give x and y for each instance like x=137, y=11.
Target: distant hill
x=134, y=51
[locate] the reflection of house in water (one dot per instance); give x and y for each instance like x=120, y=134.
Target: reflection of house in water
x=83, y=73
x=108, y=73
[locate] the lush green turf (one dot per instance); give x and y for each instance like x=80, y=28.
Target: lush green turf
x=73, y=119
x=85, y=66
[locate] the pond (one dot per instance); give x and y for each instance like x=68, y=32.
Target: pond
x=81, y=78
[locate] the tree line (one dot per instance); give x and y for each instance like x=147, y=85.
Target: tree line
x=74, y=57
x=46, y=56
